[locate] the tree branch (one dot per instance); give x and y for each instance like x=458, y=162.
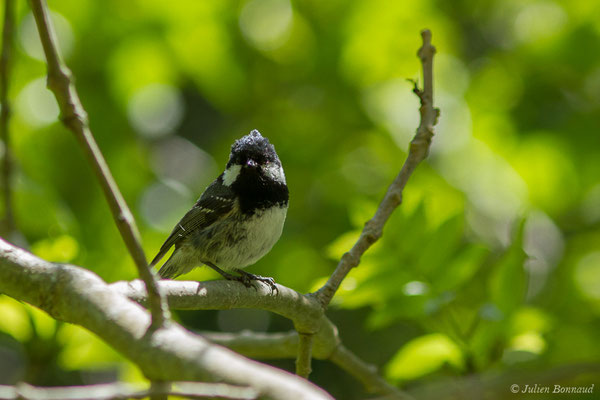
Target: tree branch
x=120, y=391
x=305, y=312
x=258, y=345
x=304, y=354
x=418, y=150
x=5, y=113
x=366, y=374
x=285, y=345
x=171, y=353
x=75, y=118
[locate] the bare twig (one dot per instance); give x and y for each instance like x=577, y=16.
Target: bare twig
x=418, y=151
x=367, y=374
x=172, y=353
x=304, y=355
x=5, y=112
x=75, y=118
x=121, y=391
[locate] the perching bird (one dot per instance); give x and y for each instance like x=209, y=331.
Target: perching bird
x=237, y=219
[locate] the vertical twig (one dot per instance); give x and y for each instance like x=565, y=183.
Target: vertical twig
x=5, y=113
x=419, y=147
x=74, y=118
x=304, y=356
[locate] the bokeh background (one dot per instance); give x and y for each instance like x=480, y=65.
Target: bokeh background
x=492, y=264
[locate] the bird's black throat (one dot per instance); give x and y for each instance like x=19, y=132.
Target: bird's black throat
x=256, y=192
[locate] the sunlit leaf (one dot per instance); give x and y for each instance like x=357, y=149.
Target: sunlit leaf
x=60, y=249
x=84, y=350
x=424, y=355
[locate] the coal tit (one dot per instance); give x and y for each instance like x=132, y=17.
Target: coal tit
x=237, y=219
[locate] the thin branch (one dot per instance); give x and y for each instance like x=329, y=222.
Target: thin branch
x=257, y=345
x=75, y=118
x=304, y=356
x=367, y=374
x=5, y=113
x=172, y=353
x=121, y=391
x=419, y=148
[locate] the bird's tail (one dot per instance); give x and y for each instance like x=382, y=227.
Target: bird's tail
x=169, y=269
x=176, y=265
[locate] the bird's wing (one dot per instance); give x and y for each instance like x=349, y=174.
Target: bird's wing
x=216, y=203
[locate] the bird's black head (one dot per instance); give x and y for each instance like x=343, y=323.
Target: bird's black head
x=255, y=174
x=253, y=149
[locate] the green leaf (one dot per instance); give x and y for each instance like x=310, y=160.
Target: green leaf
x=84, y=350
x=461, y=268
x=424, y=355
x=438, y=248
x=507, y=284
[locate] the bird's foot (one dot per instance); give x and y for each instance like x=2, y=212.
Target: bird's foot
x=248, y=280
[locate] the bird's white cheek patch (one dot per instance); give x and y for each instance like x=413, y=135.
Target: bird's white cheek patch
x=231, y=174
x=275, y=172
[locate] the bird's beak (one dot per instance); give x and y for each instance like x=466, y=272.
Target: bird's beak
x=251, y=163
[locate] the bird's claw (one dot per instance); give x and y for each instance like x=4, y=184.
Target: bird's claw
x=248, y=279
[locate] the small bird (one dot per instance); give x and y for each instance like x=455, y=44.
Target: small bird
x=237, y=219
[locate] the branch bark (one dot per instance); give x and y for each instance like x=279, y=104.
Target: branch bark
x=304, y=311
x=285, y=345
x=5, y=113
x=304, y=354
x=75, y=119
x=419, y=148
x=366, y=374
x=120, y=391
x=170, y=353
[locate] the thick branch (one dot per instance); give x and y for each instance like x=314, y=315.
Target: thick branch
x=303, y=310
x=418, y=150
x=75, y=118
x=5, y=69
x=170, y=353
x=120, y=391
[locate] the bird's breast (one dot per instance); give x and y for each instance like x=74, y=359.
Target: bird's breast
x=263, y=230
x=247, y=239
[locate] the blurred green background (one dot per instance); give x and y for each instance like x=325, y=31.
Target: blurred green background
x=491, y=265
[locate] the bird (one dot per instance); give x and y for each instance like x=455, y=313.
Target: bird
x=236, y=221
